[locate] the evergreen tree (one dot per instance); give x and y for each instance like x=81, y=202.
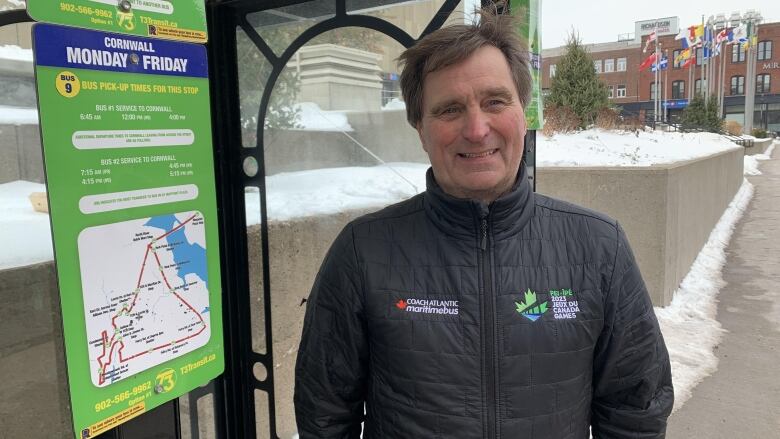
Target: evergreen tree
x=701, y=115
x=576, y=85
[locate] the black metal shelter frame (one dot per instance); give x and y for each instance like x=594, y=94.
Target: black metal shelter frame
x=234, y=392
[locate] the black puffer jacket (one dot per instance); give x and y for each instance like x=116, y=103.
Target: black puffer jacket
x=527, y=319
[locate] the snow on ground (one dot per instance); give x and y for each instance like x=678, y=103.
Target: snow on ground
x=14, y=4
x=15, y=53
x=25, y=236
x=312, y=118
x=751, y=161
x=394, y=104
x=18, y=116
x=596, y=147
x=688, y=323
x=326, y=191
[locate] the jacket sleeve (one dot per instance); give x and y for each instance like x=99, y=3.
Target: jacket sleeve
x=632, y=394
x=331, y=368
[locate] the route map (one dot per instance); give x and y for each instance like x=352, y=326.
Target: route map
x=139, y=318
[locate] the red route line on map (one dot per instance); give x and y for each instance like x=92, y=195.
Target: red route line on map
x=104, y=335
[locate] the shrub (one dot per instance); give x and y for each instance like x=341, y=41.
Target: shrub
x=607, y=119
x=559, y=120
x=701, y=115
x=732, y=127
x=759, y=133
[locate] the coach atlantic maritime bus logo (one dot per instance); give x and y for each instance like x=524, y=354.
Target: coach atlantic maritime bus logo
x=428, y=306
x=529, y=308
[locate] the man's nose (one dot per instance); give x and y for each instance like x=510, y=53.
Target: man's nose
x=476, y=126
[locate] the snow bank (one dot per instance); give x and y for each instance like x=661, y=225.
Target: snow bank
x=18, y=116
x=596, y=147
x=394, y=104
x=312, y=118
x=15, y=53
x=328, y=191
x=14, y=4
x=688, y=323
x=25, y=235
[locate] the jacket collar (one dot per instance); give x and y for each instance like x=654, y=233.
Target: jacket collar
x=461, y=217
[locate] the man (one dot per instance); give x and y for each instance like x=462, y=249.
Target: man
x=479, y=309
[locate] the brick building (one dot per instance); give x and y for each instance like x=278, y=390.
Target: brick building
x=617, y=64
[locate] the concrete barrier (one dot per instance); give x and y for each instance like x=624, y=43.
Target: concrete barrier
x=35, y=400
x=667, y=211
x=759, y=146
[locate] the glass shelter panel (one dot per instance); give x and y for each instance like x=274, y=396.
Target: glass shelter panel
x=253, y=73
x=281, y=26
x=342, y=154
x=32, y=362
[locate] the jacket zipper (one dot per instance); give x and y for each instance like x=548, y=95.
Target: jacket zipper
x=488, y=349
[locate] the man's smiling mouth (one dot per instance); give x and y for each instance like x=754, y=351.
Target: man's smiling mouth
x=477, y=155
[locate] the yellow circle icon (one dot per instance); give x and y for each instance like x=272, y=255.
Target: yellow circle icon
x=68, y=84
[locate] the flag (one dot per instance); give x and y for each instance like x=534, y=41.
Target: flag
x=691, y=36
x=739, y=34
x=724, y=35
x=688, y=62
x=653, y=36
x=647, y=62
x=661, y=65
x=682, y=56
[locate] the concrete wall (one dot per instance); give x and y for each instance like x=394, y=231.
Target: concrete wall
x=667, y=211
x=35, y=399
x=759, y=146
x=296, y=249
x=338, y=78
x=21, y=157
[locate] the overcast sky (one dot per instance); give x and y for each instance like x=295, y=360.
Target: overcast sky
x=601, y=21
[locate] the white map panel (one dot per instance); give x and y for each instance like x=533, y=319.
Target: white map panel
x=145, y=289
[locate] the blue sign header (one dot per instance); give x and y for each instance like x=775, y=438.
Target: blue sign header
x=679, y=103
x=60, y=46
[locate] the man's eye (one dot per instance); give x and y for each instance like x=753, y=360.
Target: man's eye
x=495, y=102
x=449, y=110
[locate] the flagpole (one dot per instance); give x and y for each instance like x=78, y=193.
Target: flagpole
x=666, y=85
x=750, y=87
x=655, y=107
x=722, y=80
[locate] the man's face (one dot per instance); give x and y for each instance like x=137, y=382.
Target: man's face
x=473, y=126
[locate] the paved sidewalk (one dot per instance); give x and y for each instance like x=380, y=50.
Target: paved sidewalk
x=741, y=400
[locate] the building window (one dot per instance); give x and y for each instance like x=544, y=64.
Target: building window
x=764, y=50
x=678, y=89
x=610, y=91
x=621, y=91
x=552, y=70
x=675, y=54
x=652, y=89
x=699, y=56
x=609, y=65
x=697, y=87
x=737, y=53
x=597, y=66
x=621, y=64
x=737, y=85
x=762, y=83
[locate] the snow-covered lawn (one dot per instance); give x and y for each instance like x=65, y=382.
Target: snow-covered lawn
x=597, y=147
